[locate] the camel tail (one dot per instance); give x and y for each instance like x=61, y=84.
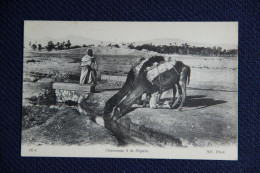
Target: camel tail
x=188, y=74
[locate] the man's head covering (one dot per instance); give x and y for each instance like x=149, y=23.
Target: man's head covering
x=90, y=52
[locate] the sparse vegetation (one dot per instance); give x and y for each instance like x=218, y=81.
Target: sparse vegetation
x=34, y=47
x=39, y=47
x=186, y=49
x=173, y=48
x=50, y=46
x=58, y=46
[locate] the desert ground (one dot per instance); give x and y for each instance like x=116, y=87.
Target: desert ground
x=209, y=116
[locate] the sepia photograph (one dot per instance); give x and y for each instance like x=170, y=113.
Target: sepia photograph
x=158, y=90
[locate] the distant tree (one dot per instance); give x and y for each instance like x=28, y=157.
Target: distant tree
x=34, y=47
x=57, y=46
x=185, y=48
x=74, y=47
x=50, y=46
x=39, y=47
x=224, y=52
x=116, y=45
x=84, y=45
x=131, y=46
x=218, y=51
x=232, y=52
x=68, y=44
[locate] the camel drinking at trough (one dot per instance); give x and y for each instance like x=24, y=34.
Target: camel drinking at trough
x=152, y=76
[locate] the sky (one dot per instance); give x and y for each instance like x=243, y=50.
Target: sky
x=203, y=32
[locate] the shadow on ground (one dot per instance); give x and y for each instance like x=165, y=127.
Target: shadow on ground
x=200, y=101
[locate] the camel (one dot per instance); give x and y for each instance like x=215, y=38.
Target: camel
x=137, y=83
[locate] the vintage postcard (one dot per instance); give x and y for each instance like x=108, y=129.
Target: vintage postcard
x=130, y=90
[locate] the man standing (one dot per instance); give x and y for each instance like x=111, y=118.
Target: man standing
x=88, y=69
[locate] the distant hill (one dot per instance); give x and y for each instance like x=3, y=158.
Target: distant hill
x=162, y=41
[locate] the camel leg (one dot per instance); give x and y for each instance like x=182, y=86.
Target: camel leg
x=153, y=100
x=144, y=99
x=173, y=93
x=147, y=100
x=180, y=95
x=183, y=86
x=158, y=97
x=167, y=104
x=183, y=80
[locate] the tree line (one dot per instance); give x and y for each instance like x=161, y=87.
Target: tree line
x=186, y=49
x=51, y=46
x=61, y=45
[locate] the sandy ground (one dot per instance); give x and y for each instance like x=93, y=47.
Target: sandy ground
x=209, y=116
